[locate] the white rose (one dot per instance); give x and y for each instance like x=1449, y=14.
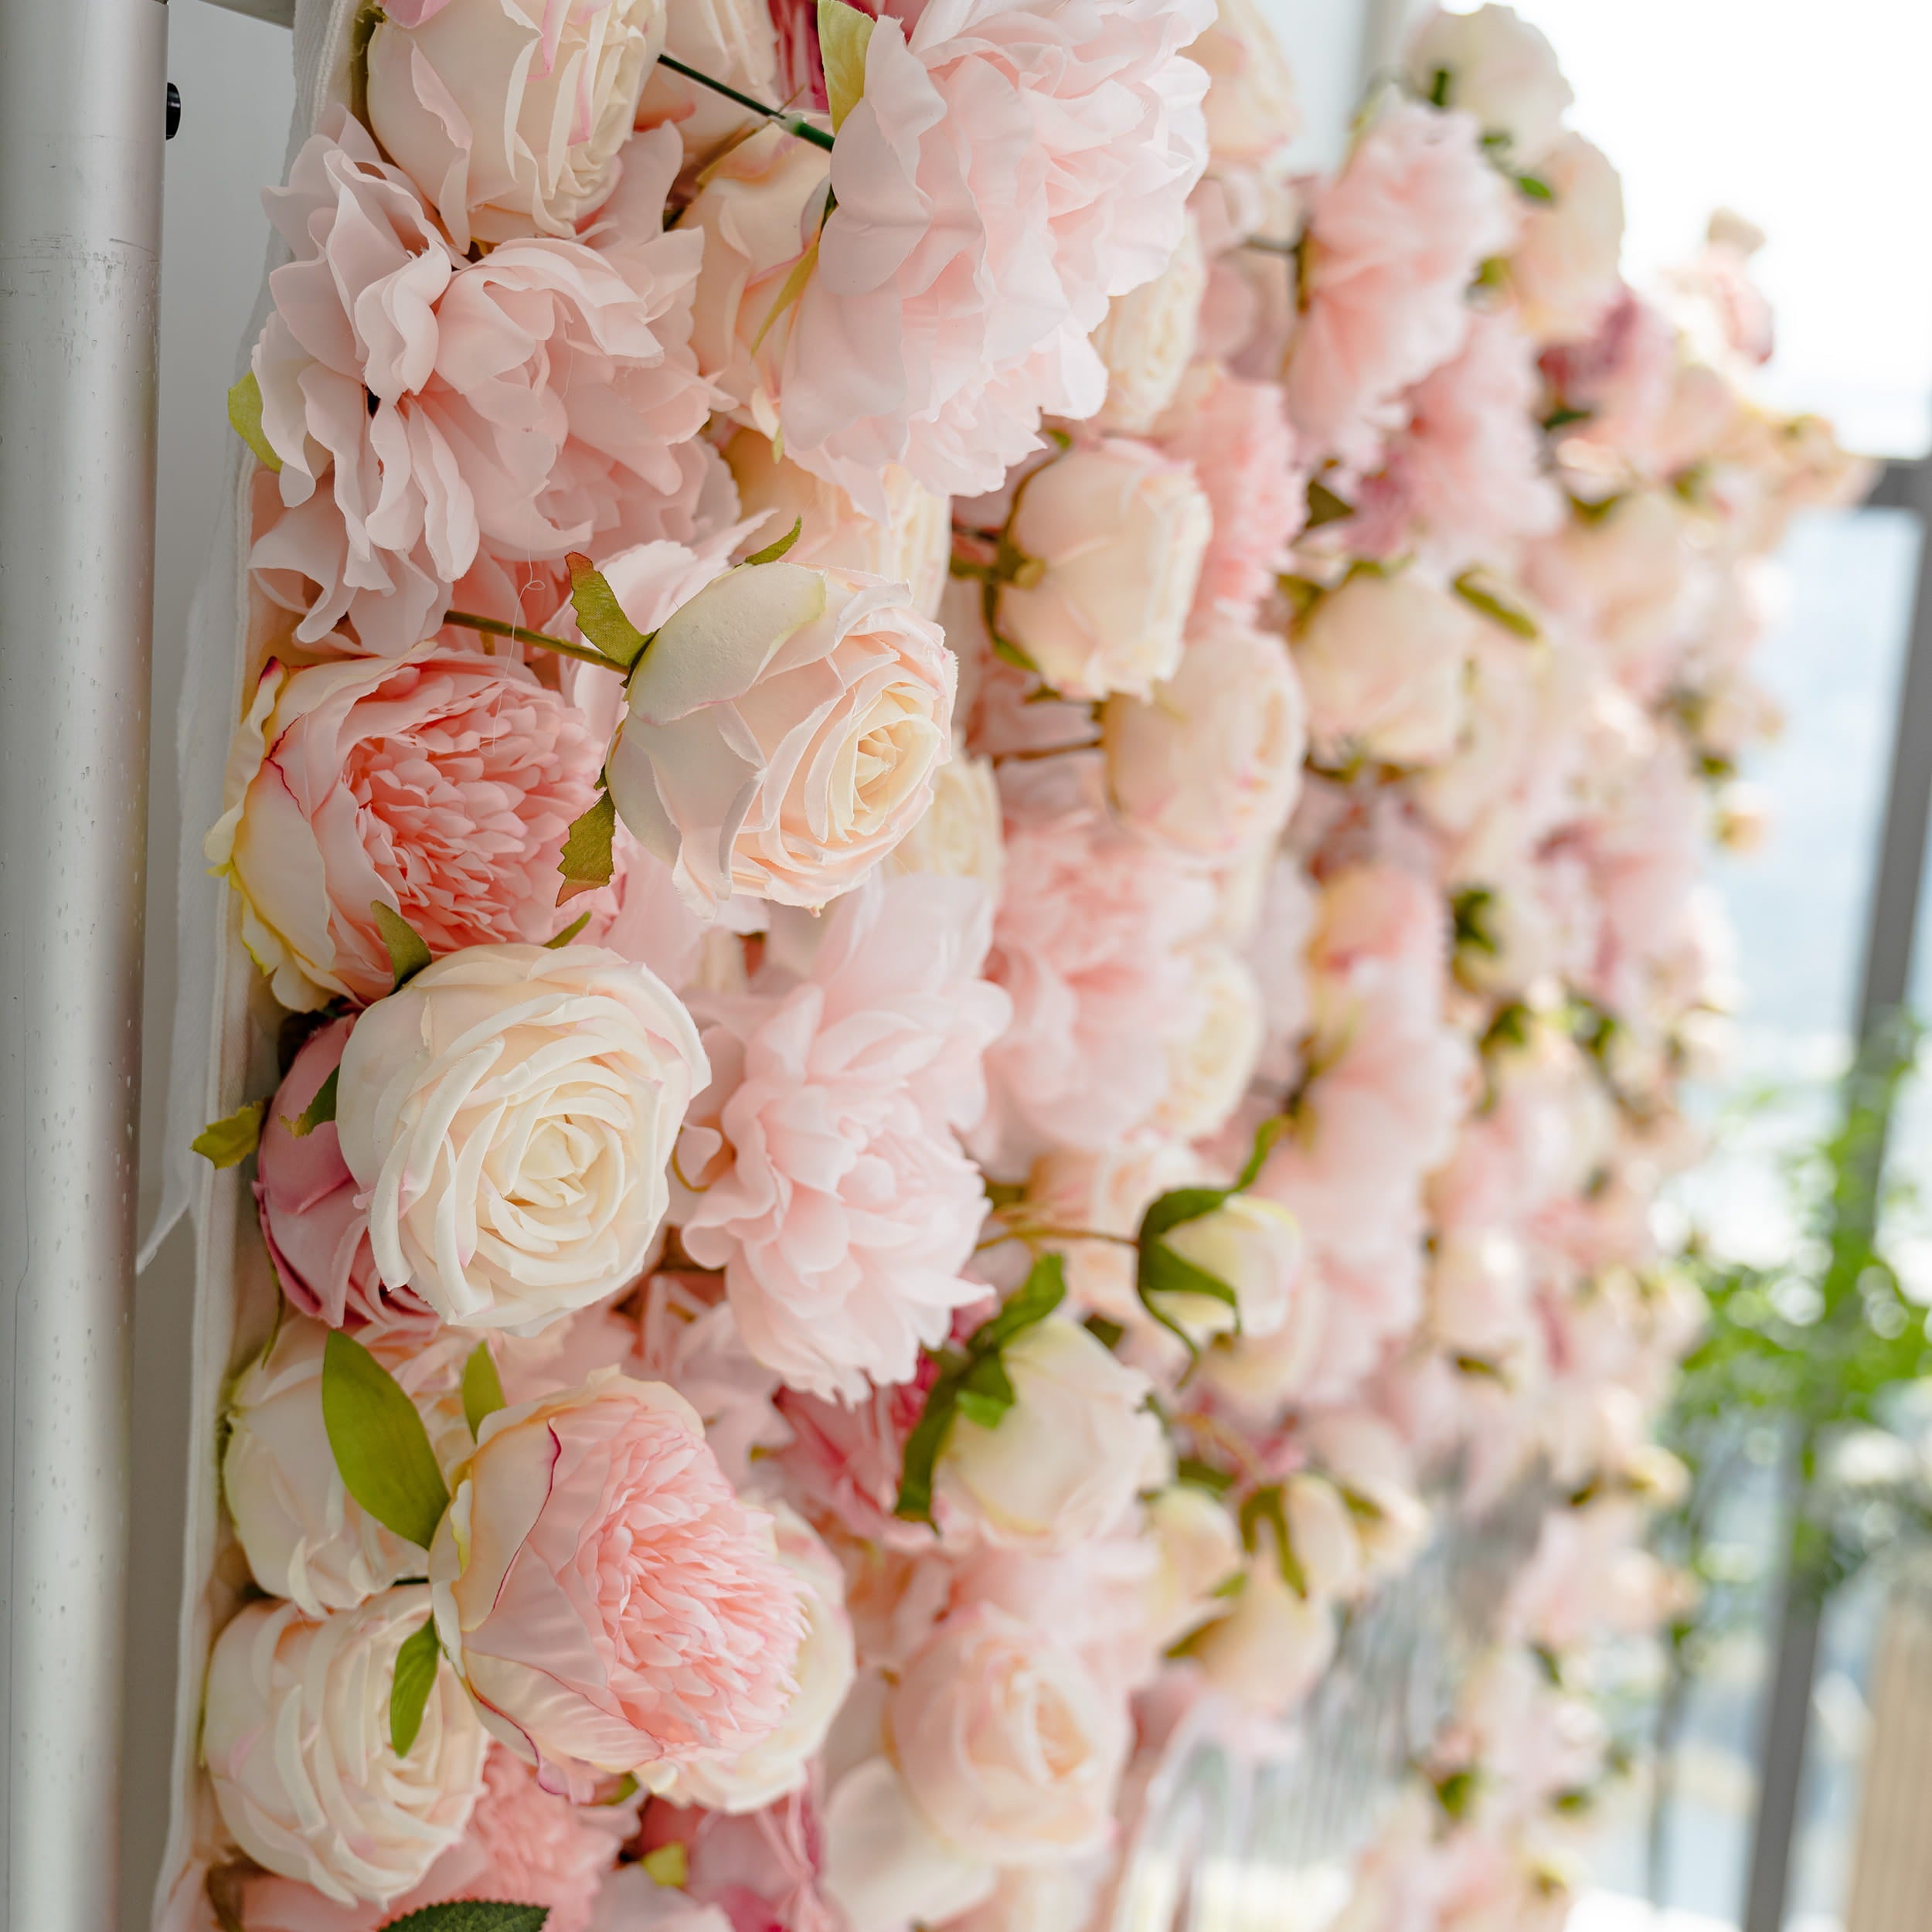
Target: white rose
x=782, y=734
x=305, y=1537
x=1209, y=1067
x=1198, y=1550
x=1495, y=66
x=778, y=1764
x=295, y=1734
x=1255, y=1247
x=914, y=546
x=1116, y=534
x=885, y=1867
x=961, y=835
x=509, y=114
x=1147, y=340
x=1064, y=1464
x=1382, y=660
x=1252, y=109
x=1273, y=1645
x=1106, y=1189
x=1006, y=1741
x=1564, y=268
x=1212, y=761
x=510, y=1113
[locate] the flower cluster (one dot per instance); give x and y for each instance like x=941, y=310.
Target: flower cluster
x=981, y=830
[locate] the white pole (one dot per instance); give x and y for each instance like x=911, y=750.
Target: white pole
x=81, y=103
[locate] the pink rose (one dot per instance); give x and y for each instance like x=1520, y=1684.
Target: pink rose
x=781, y=733
x=611, y=1605
x=843, y=1210
x=1092, y=943
x=1007, y=170
x=440, y=785
x=312, y=1221
x=1244, y=455
x=1394, y=241
x=425, y=409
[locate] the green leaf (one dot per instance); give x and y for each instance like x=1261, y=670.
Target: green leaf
x=1470, y=910
x=1106, y=1332
x=482, y=1388
x=322, y=1108
x=1497, y=609
x=473, y=1915
x=921, y=1454
x=1534, y=187
x=245, y=419
x=229, y=1142
x=568, y=933
x=599, y=616
x=986, y=1393
x=773, y=551
x=1036, y=1297
x=382, y=1449
x=1324, y=506
x=844, y=34
x=668, y=1866
x=586, y=861
x=1197, y=1474
x=408, y=951
x=1267, y=1506
x=417, y=1663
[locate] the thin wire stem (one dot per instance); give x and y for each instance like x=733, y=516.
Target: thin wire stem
x=792, y=124
x=585, y=653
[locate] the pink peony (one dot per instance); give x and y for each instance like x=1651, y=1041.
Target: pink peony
x=1092, y=944
x=834, y=1194
x=761, y=1870
x=1394, y=241
x=1009, y=169
x=440, y=785
x=609, y=1603
x=1236, y=435
x=313, y=1221
x=425, y=409
x=1464, y=481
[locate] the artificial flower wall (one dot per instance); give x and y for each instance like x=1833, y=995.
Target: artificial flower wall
x=973, y=832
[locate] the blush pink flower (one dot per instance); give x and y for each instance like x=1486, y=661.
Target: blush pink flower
x=313, y=1223
x=833, y=1190
x=1092, y=944
x=761, y=1869
x=439, y=785
x=1464, y=481
x=1236, y=435
x=611, y=1605
x=424, y=410
x=1394, y=241
x=1009, y=169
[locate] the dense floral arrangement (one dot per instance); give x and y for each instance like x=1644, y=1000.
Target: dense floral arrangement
x=979, y=827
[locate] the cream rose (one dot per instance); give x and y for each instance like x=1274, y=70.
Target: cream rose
x=1255, y=1247
x=1198, y=1548
x=1493, y=64
x=295, y=1735
x=1211, y=760
x=1006, y=1741
x=1321, y=1533
x=885, y=1868
x=782, y=734
x=913, y=547
x=1272, y=1645
x=304, y=1536
x=1063, y=1465
x=827, y=1663
x=961, y=835
x=1253, y=112
x=1113, y=535
x=1148, y=339
x=509, y=1114
x=1565, y=269
x=1209, y=1067
x=509, y=114
x=1382, y=660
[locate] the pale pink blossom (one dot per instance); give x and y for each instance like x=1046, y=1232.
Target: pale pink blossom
x=610, y=1604
x=425, y=409
x=1008, y=169
x=1394, y=241
x=1564, y=271
x=844, y=1460
x=832, y=1188
x=1252, y=110
x=763, y=1871
x=1495, y=65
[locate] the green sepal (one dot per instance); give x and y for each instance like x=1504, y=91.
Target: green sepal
x=599, y=616
x=417, y=1663
x=1268, y=1506
x=322, y=1108
x=408, y=952
x=844, y=34
x=562, y=939
x=1470, y=911
x=986, y=1393
x=1499, y=610
x=1104, y=1330
x=229, y=1141
x=245, y=419
x=1197, y=1474
x=622, y=1790
x=1534, y=187
x=381, y=1448
x=482, y=1388
x=1440, y=82
x=585, y=862
x=773, y=551
x=472, y=1915
x=1324, y=506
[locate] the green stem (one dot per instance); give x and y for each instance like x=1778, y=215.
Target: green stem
x=585, y=653
x=792, y=124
